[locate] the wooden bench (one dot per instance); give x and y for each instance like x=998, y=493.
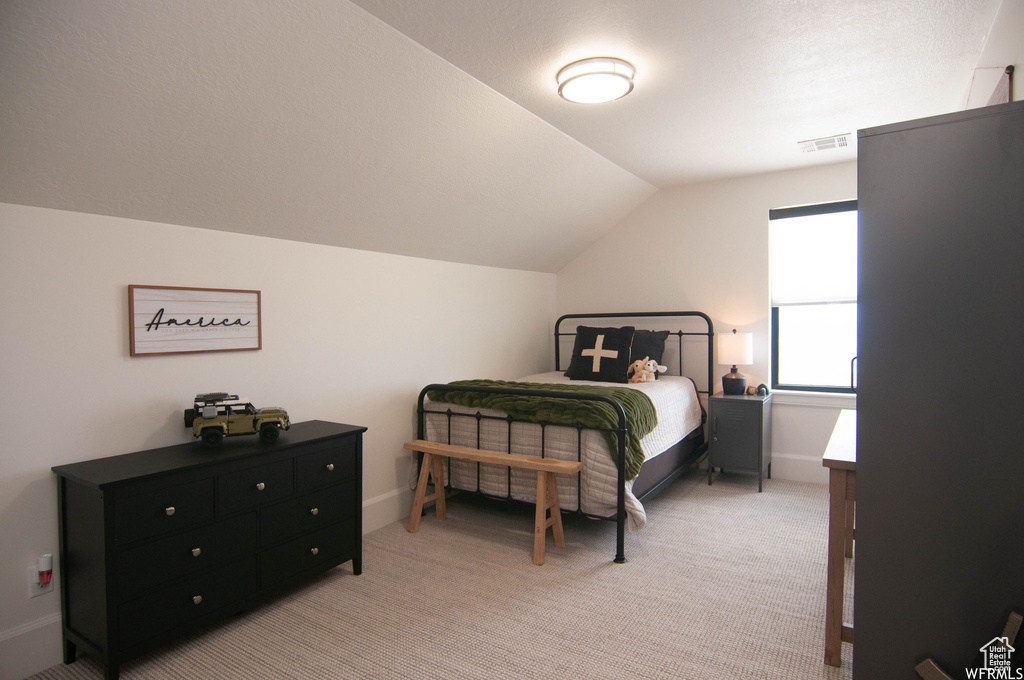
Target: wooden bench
x=547, y=489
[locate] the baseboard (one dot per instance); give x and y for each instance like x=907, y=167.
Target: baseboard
x=30, y=648
x=382, y=510
x=798, y=468
x=36, y=646
x=793, y=467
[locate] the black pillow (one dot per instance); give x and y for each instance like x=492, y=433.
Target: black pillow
x=601, y=354
x=649, y=344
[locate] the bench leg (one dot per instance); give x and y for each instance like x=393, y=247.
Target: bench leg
x=547, y=499
x=540, y=526
x=431, y=465
x=556, y=511
x=438, y=495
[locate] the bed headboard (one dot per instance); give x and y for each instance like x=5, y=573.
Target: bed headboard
x=694, y=332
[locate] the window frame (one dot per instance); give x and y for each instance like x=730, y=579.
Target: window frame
x=806, y=211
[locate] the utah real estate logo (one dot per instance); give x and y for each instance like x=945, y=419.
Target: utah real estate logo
x=997, y=652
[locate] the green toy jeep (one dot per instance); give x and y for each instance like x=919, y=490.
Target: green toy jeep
x=218, y=414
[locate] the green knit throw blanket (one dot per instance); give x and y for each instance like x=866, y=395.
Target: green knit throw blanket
x=641, y=417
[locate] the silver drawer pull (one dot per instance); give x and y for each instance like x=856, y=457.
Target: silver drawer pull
x=314, y=551
x=196, y=552
x=260, y=486
x=330, y=467
x=314, y=511
x=198, y=599
x=169, y=511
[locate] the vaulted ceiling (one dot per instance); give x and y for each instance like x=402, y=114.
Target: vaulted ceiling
x=432, y=128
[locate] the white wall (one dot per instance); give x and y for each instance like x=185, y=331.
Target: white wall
x=1003, y=47
x=348, y=335
x=705, y=247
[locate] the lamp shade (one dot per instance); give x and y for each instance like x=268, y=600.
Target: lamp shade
x=595, y=80
x=735, y=349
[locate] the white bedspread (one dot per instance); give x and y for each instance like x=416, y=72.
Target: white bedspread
x=679, y=413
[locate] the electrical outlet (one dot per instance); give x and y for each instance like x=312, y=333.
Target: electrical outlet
x=34, y=589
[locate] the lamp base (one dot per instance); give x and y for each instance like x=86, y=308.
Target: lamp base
x=734, y=383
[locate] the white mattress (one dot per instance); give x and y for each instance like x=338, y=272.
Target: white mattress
x=679, y=413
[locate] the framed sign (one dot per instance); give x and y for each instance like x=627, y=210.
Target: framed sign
x=170, y=320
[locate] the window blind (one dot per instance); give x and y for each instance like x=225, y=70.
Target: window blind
x=813, y=258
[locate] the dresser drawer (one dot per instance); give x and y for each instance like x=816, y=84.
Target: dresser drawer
x=160, y=512
x=130, y=581
x=327, y=463
x=166, y=559
x=254, y=486
x=308, y=513
x=319, y=550
x=190, y=599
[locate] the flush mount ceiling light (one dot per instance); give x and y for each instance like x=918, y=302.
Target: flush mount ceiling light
x=595, y=80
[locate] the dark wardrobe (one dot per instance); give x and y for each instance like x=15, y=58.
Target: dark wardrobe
x=940, y=429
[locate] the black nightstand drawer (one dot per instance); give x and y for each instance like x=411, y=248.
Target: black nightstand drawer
x=311, y=552
x=736, y=431
x=153, y=564
x=308, y=513
x=162, y=511
x=332, y=463
x=254, y=486
x=187, y=600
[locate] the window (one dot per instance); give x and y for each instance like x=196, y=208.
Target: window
x=813, y=269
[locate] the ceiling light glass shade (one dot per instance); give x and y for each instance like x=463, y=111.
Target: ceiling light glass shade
x=595, y=80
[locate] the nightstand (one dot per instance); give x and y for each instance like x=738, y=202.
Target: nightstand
x=740, y=430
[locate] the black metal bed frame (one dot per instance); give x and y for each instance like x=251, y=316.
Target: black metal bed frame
x=700, y=447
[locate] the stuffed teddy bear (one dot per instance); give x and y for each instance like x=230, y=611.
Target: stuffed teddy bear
x=645, y=370
x=637, y=368
x=653, y=367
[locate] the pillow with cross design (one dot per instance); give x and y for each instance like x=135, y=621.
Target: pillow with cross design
x=601, y=354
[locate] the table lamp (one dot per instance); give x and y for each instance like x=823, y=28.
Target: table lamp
x=735, y=348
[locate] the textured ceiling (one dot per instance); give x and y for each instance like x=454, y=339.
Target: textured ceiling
x=723, y=87
x=431, y=127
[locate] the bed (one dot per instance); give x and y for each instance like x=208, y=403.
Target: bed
x=627, y=457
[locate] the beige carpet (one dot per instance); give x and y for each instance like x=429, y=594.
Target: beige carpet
x=722, y=583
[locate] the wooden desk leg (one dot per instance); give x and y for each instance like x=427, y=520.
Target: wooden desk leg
x=836, y=566
x=851, y=513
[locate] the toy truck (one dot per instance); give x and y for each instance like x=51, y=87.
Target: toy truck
x=216, y=415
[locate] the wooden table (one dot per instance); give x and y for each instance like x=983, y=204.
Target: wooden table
x=841, y=460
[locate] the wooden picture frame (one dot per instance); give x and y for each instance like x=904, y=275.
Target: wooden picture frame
x=179, y=320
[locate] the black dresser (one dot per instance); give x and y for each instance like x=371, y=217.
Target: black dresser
x=156, y=543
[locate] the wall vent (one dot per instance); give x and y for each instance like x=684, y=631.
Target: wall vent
x=825, y=143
